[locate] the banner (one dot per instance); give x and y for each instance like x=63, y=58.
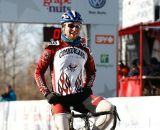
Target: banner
x=136, y=113
x=50, y=11
x=26, y=115
x=104, y=48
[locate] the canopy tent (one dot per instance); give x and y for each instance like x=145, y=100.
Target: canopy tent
x=139, y=28
x=136, y=28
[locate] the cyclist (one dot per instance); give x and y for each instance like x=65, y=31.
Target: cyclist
x=73, y=73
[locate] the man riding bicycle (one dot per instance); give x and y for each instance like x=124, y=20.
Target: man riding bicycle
x=73, y=73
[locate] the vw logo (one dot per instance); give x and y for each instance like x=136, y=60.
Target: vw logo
x=97, y=3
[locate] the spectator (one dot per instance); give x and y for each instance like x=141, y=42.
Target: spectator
x=9, y=95
x=134, y=70
x=145, y=68
x=154, y=67
x=122, y=70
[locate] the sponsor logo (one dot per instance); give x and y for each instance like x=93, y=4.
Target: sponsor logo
x=104, y=39
x=58, y=6
x=97, y=3
x=104, y=61
x=72, y=51
x=104, y=58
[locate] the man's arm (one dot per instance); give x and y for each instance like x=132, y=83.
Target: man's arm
x=41, y=68
x=90, y=70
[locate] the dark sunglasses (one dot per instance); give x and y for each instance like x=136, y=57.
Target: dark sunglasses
x=78, y=26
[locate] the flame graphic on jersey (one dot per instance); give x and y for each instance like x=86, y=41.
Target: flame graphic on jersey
x=64, y=85
x=78, y=82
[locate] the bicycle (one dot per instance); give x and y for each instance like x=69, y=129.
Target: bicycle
x=86, y=118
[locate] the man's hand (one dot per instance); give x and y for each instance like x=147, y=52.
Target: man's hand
x=52, y=97
x=87, y=90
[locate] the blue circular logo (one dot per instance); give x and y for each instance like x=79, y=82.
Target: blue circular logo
x=97, y=3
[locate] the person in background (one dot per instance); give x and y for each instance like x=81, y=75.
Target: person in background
x=9, y=95
x=123, y=70
x=73, y=73
x=135, y=68
x=154, y=67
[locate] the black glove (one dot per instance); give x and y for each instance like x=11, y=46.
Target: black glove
x=52, y=97
x=87, y=90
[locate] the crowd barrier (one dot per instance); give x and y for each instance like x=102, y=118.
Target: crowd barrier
x=136, y=113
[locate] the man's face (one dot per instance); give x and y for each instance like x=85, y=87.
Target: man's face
x=72, y=29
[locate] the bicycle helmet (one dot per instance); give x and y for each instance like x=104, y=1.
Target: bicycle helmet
x=71, y=16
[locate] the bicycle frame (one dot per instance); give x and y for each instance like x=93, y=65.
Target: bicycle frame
x=87, y=116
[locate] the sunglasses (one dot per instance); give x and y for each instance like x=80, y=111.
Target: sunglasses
x=78, y=26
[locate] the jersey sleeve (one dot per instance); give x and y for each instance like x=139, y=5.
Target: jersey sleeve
x=90, y=70
x=42, y=65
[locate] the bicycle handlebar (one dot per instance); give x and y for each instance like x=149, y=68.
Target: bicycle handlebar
x=89, y=115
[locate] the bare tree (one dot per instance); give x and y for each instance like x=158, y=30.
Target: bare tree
x=3, y=53
x=16, y=44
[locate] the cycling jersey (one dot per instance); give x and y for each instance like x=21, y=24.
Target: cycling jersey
x=72, y=68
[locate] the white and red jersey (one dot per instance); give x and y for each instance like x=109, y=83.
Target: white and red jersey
x=72, y=68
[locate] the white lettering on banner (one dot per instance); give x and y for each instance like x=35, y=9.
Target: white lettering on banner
x=136, y=113
x=104, y=39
